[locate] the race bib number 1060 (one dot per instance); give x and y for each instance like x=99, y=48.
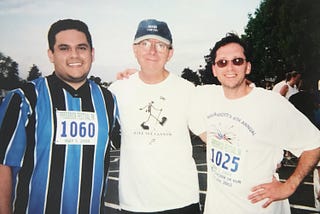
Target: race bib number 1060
x=76, y=127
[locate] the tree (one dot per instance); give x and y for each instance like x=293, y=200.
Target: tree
x=34, y=73
x=9, y=75
x=284, y=36
x=191, y=76
x=206, y=74
x=2, y=70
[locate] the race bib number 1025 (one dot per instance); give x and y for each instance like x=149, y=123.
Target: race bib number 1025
x=76, y=127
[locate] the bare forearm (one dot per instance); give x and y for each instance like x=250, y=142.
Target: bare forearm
x=6, y=189
x=307, y=162
x=275, y=190
x=203, y=137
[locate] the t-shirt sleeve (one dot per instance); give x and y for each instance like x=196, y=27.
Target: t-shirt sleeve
x=197, y=112
x=295, y=131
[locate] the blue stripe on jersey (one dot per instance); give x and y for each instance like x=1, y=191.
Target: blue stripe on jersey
x=44, y=162
x=13, y=153
x=70, y=195
x=39, y=182
x=15, y=150
x=100, y=150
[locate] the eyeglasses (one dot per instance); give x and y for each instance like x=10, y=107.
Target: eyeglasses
x=236, y=61
x=159, y=46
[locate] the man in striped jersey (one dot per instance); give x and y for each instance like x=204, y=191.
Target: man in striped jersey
x=55, y=132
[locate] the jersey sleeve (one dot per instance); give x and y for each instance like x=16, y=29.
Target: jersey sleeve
x=14, y=114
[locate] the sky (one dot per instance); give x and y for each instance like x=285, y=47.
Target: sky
x=195, y=26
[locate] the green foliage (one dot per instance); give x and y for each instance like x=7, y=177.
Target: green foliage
x=191, y=76
x=206, y=75
x=9, y=75
x=34, y=73
x=285, y=36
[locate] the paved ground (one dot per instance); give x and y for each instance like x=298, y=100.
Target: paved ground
x=302, y=201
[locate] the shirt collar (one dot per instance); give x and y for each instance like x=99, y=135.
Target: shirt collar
x=80, y=92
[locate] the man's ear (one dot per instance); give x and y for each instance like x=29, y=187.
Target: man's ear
x=170, y=54
x=248, y=70
x=50, y=55
x=92, y=54
x=135, y=49
x=213, y=70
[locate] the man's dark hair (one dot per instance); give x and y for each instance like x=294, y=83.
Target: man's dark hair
x=230, y=38
x=67, y=24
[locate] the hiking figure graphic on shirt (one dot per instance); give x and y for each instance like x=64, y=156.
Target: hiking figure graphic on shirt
x=154, y=114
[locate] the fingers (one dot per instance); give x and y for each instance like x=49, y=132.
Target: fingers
x=267, y=203
x=260, y=195
x=257, y=195
x=125, y=74
x=256, y=188
x=119, y=76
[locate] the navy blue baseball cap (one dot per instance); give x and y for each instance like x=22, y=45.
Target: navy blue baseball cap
x=153, y=29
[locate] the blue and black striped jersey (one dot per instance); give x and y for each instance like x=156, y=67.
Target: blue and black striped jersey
x=55, y=139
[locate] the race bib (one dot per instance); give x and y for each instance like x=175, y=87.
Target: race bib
x=224, y=161
x=76, y=127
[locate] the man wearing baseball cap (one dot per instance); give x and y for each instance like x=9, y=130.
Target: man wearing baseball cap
x=157, y=170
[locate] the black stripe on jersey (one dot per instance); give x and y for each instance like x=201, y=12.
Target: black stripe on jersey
x=58, y=152
x=109, y=103
x=87, y=158
x=28, y=160
x=7, y=129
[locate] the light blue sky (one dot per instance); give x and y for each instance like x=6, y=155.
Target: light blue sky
x=195, y=25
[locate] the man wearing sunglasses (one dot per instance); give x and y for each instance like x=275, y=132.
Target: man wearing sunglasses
x=245, y=138
x=157, y=171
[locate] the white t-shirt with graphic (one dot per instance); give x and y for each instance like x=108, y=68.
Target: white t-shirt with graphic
x=157, y=171
x=245, y=142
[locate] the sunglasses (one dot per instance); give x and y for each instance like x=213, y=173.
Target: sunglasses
x=236, y=61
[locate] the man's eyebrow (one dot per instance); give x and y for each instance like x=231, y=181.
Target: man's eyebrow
x=83, y=44
x=62, y=45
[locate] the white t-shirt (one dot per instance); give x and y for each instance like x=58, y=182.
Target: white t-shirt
x=277, y=87
x=245, y=142
x=157, y=171
x=291, y=91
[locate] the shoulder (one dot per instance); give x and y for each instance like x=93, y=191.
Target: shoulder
x=205, y=92
x=181, y=80
x=123, y=83
x=105, y=90
x=208, y=88
x=262, y=91
x=285, y=86
x=267, y=96
x=25, y=89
